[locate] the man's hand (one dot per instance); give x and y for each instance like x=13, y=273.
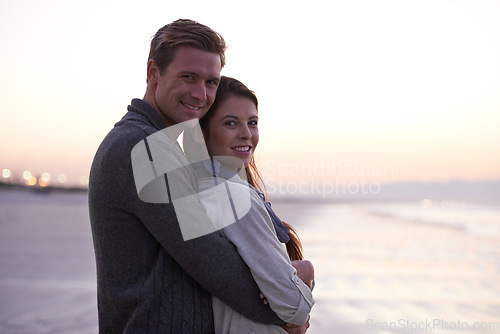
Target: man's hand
x=264, y=299
x=297, y=329
x=305, y=271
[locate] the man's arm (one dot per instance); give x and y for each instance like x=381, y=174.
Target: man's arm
x=213, y=262
x=297, y=329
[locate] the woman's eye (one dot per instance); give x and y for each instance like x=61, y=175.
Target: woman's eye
x=253, y=123
x=230, y=123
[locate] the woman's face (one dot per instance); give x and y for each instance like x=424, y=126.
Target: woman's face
x=233, y=132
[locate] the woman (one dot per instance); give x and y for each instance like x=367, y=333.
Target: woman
x=230, y=129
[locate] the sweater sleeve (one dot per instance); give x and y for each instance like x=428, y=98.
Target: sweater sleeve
x=165, y=191
x=256, y=241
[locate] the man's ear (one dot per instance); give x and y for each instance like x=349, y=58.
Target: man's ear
x=153, y=72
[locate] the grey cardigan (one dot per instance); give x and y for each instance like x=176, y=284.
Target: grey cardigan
x=149, y=280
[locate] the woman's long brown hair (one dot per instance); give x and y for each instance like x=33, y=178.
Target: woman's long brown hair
x=232, y=87
x=294, y=246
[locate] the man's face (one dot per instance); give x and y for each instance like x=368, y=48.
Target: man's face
x=187, y=87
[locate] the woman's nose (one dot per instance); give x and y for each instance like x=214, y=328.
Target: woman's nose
x=245, y=132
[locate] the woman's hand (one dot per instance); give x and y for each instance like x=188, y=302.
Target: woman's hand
x=305, y=271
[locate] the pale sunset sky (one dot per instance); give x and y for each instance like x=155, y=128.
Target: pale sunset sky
x=384, y=90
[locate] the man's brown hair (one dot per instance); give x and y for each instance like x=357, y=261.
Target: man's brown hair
x=184, y=32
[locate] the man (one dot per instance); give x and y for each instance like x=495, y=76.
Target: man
x=149, y=279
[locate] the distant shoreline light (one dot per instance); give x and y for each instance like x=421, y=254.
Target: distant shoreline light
x=45, y=179
x=62, y=178
x=31, y=181
x=6, y=173
x=27, y=175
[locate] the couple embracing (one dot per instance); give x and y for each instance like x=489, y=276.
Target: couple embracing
x=184, y=237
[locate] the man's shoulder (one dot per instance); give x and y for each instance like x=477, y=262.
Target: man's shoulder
x=119, y=142
x=125, y=135
x=128, y=133
x=113, y=154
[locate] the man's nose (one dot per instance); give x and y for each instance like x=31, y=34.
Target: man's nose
x=199, y=91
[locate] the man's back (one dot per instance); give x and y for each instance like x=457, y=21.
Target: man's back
x=140, y=286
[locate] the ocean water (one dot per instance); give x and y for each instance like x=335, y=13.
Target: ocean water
x=473, y=218
x=413, y=266
x=416, y=266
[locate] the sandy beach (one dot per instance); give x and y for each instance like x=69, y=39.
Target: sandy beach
x=47, y=267
x=375, y=274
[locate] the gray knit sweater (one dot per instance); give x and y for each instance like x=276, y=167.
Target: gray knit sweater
x=149, y=280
